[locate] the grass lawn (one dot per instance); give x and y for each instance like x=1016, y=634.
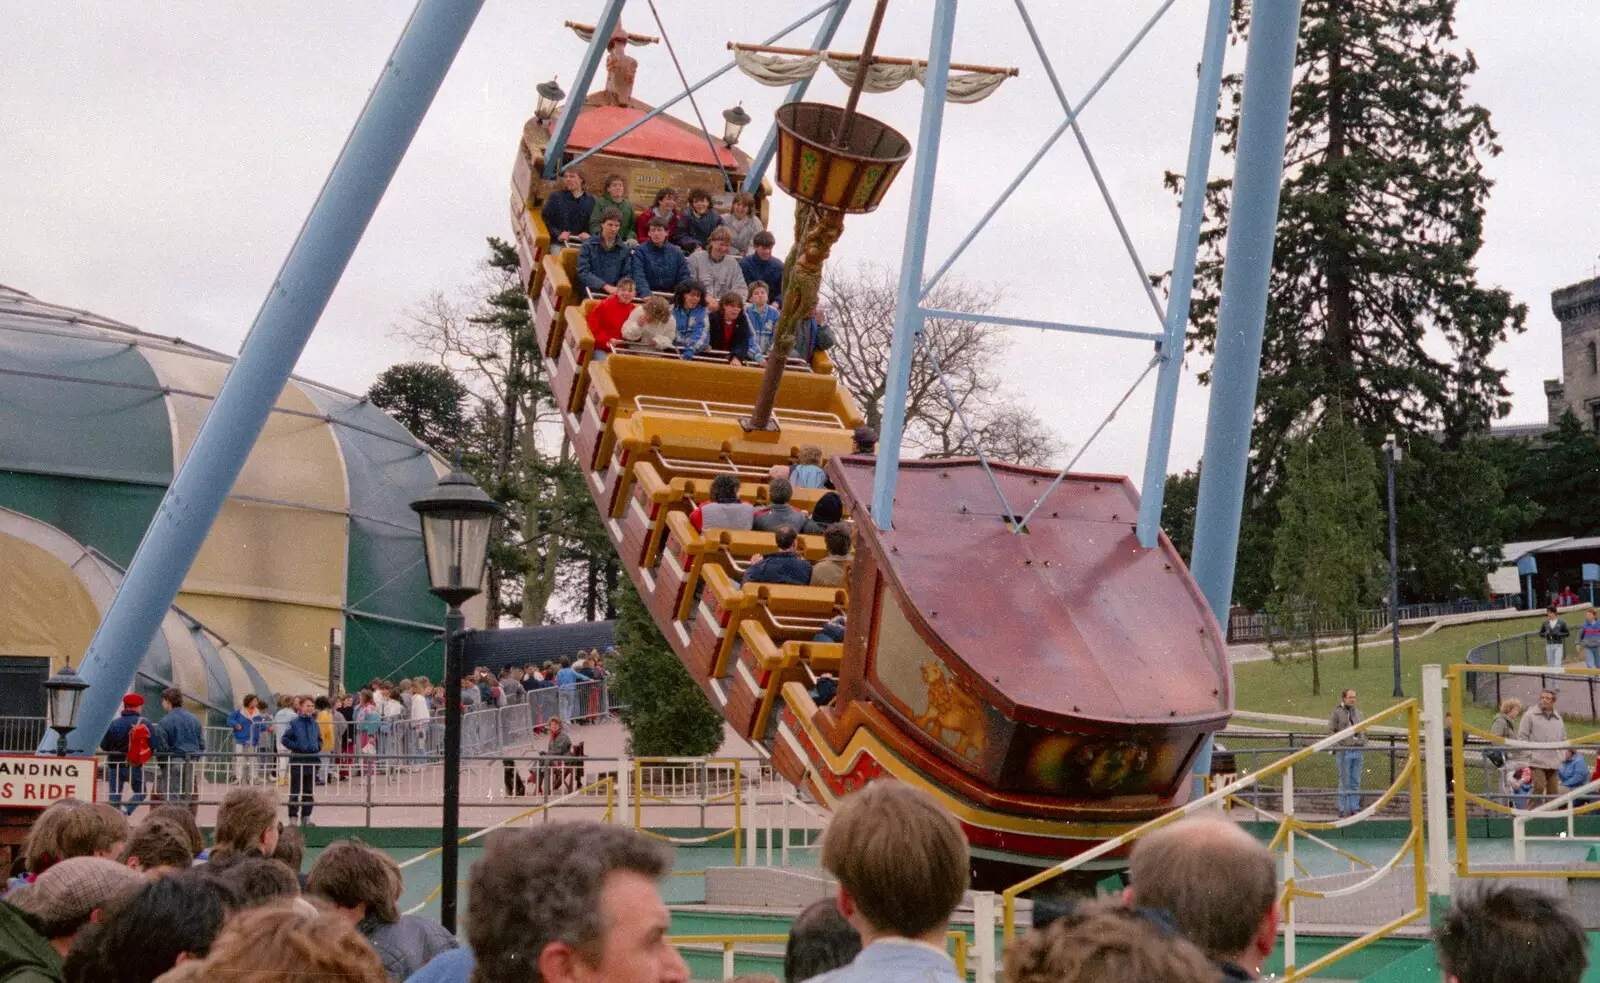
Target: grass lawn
x=1285, y=687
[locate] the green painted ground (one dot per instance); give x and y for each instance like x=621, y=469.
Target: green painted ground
x=1420, y=966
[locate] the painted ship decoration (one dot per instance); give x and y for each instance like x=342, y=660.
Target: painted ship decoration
x=1052, y=688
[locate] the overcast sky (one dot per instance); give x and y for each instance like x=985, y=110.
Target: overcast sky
x=157, y=159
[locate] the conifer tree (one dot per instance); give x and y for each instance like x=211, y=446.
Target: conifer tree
x=1327, y=552
x=665, y=712
x=1376, y=312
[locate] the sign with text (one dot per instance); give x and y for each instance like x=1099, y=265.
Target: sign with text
x=31, y=782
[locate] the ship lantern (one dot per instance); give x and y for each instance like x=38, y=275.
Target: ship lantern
x=733, y=123
x=837, y=171
x=550, y=96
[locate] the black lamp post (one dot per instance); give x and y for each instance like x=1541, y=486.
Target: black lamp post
x=64, y=693
x=1391, y=456
x=456, y=521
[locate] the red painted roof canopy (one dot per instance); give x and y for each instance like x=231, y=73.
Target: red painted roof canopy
x=658, y=139
x=1074, y=618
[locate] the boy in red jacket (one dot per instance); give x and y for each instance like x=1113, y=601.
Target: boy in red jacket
x=607, y=317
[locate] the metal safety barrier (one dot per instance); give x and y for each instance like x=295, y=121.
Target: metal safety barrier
x=1459, y=682
x=955, y=943
x=1291, y=827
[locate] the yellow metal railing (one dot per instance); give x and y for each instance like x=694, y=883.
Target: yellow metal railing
x=1460, y=730
x=955, y=942
x=1408, y=778
x=700, y=768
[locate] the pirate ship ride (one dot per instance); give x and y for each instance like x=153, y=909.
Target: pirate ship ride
x=1052, y=683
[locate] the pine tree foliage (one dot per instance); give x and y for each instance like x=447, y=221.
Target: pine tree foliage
x=514, y=445
x=427, y=400
x=1376, y=311
x=665, y=712
x=1327, y=552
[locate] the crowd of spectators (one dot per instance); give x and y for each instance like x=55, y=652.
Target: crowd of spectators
x=95, y=901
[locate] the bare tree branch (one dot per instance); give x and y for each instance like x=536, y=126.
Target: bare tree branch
x=860, y=304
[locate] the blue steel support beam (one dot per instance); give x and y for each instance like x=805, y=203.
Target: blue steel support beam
x=1038, y=156
x=652, y=114
x=1022, y=322
x=907, y=311
x=314, y=265
x=769, y=146
x=1252, y=223
x=610, y=17
x=1191, y=214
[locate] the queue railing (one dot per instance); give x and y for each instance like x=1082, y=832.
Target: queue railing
x=1499, y=798
x=1291, y=828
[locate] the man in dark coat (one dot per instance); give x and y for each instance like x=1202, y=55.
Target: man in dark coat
x=567, y=212
x=658, y=265
x=760, y=265
x=180, y=740
x=783, y=567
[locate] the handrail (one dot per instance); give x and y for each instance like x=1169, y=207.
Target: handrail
x=714, y=408
x=955, y=941
x=1410, y=776
x=1557, y=807
x=716, y=355
x=722, y=465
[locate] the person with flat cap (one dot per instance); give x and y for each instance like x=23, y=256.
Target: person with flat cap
x=38, y=921
x=866, y=440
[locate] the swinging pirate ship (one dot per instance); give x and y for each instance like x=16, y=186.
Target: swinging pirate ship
x=1052, y=689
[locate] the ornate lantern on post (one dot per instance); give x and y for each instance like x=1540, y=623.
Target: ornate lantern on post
x=733, y=123
x=64, y=693
x=550, y=96
x=833, y=162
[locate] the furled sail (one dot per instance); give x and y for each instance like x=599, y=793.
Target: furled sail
x=774, y=69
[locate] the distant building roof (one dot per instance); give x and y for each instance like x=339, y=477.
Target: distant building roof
x=498, y=647
x=1516, y=551
x=1520, y=430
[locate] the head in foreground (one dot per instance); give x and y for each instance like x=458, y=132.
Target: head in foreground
x=1216, y=881
x=901, y=860
x=571, y=903
x=1510, y=935
x=1100, y=943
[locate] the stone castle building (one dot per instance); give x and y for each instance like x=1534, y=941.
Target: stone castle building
x=1578, y=309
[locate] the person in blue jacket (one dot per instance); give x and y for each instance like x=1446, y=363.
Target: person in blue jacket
x=761, y=265
x=304, y=741
x=179, y=741
x=606, y=258
x=119, y=772
x=783, y=567
x=692, y=334
x=658, y=265
x=1574, y=770
x=242, y=721
x=567, y=679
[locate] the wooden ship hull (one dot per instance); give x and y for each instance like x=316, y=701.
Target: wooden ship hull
x=1052, y=687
